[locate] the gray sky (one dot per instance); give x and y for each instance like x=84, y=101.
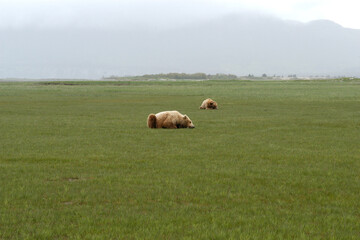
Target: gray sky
x=165, y=13
x=95, y=38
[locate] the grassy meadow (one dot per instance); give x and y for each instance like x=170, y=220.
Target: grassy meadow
x=278, y=160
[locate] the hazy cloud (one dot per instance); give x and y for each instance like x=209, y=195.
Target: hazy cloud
x=164, y=13
x=94, y=38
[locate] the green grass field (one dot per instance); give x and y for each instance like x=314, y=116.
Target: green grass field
x=278, y=160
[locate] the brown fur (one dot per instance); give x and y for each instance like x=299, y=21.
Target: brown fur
x=209, y=104
x=151, y=121
x=169, y=119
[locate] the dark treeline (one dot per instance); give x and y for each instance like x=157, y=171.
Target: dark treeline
x=190, y=76
x=204, y=76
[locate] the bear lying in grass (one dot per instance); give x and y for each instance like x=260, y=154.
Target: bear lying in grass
x=209, y=104
x=169, y=119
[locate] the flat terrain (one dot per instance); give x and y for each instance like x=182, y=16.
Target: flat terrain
x=278, y=160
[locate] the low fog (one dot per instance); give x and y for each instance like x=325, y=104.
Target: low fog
x=240, y=43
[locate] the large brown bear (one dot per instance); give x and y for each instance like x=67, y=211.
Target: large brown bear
x=169, y=119
x=209, y=104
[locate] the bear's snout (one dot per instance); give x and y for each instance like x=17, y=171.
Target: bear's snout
x=192, y=126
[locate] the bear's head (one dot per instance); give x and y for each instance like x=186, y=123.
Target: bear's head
x=187, y=123
x=212, y=104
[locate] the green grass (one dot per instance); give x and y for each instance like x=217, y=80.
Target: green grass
x=278, y=160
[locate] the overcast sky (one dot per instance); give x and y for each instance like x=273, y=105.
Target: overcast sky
x=165, y=13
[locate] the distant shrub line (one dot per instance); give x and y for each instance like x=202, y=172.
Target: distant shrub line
x=218, y=76
x=179, y=76
x=191, y=76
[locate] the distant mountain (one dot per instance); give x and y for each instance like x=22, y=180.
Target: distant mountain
x=234, y=44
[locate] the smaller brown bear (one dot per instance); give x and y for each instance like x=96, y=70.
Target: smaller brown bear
x=169, y=119
x=209, y=104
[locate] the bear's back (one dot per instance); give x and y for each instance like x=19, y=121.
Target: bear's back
x=167, y=114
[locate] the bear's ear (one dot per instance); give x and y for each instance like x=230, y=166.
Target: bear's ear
x=185, y=117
